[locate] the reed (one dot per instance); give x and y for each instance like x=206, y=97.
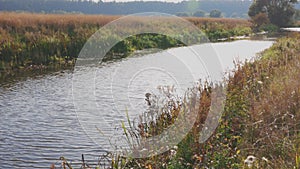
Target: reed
x=34, y=41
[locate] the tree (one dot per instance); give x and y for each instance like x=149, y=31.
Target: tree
x=279, y=12
x=258, y=6
x=215, y=13
x=297, y=15
x=260, y=22
x=260, y=19
x=234, y=15
x=199, y=13
x=182, y=14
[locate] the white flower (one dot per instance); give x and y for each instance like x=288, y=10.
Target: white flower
x=250, y=160
x=265, y=159
x=173, y=152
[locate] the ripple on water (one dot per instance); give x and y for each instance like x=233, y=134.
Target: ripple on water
x=38, y=123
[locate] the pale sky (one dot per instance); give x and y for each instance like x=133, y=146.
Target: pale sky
x=151, y=0
x=140, y=0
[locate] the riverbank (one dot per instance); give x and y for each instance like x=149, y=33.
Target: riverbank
x=259, y=127
x=33, y=41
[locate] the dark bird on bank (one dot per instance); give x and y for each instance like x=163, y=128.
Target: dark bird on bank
x=147, y=95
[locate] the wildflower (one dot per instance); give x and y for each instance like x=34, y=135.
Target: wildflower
x=173, y=152
x=250, y=160
x=265, y=159
x=198, y=157
x=259, y=82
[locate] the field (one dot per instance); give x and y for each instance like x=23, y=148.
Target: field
x=23, y=20
x=38, y=40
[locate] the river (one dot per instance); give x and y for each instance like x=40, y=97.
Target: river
x=40, y=121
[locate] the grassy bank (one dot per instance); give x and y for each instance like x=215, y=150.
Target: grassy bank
x=36, y=40
x=260, y=125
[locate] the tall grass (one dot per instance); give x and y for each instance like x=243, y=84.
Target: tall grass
x=262, y=112
x=218, y=28
x=34, y=39
x=28, y=40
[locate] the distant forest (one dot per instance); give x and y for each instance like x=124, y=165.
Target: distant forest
x=231, y=8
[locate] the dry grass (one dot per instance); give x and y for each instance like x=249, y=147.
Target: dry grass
x=34, y=39
x=21, y=20
x=228, y=22
x=269, y=106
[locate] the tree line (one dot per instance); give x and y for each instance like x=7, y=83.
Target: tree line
x=281, y=13
x=235, y=8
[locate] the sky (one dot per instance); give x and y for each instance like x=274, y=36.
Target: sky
x=143, y=0
x=150, y=0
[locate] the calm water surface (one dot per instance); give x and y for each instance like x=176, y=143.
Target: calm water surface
x=39, y=122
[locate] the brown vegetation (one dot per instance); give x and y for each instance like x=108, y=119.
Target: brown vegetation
x=21, y=21
x=26, y=20
x=228, y=23
x=29, y=39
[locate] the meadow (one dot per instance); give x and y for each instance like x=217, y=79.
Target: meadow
x=35, y=41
